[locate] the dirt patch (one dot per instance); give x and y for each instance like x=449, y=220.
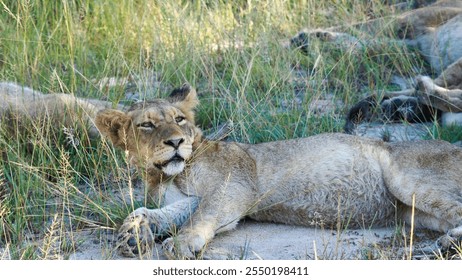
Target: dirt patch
x=253, y=240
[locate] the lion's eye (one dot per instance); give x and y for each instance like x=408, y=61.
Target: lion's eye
x=179, y=120
x=146, y=125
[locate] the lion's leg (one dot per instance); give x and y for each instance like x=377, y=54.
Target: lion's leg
x=427, y=176
x=434, y=192
x=447, y=100
x=452, y=237
x=434, y=196
x=143, y=226
x=219, y=212
x=198, y=232
x=192, y=238
x=423, y=220
x=437, y=209
x=452, y=76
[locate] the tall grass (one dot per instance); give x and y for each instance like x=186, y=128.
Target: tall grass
x=232, y=52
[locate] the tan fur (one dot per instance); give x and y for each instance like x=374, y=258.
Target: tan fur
x=60, y=110
x=329, y=180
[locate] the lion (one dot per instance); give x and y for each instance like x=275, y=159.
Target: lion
x=335, y=180
x=435, y=31
x=22, y=105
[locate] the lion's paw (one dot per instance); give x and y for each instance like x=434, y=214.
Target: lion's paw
x=183, y=246
x=425, y=85
x=136, y=235
x=451, y=240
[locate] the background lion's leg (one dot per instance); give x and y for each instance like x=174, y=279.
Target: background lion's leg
x=451, y=78
x=422, y=20
x=446, y=100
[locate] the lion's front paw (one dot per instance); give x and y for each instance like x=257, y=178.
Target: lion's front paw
x=183, y=246
x=136, y=235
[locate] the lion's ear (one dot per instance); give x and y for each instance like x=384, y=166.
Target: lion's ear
x=185, y=98
x=113, y=124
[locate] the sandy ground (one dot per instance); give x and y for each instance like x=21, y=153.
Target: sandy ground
x=253, y=240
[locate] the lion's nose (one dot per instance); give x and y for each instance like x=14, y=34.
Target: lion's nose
x=175, y=143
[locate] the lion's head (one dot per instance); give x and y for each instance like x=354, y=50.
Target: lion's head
x=158, y=134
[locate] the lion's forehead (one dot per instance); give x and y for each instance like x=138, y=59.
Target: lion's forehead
x=156, y=114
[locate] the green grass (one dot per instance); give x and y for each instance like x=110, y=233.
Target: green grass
x=230, y=51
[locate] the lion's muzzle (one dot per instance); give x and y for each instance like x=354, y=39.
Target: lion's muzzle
x=175, y=152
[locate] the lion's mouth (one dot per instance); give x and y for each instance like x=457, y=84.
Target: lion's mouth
x=175, y=159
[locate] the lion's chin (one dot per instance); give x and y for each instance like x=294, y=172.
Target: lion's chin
x=173, y=168
x=175, y=165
